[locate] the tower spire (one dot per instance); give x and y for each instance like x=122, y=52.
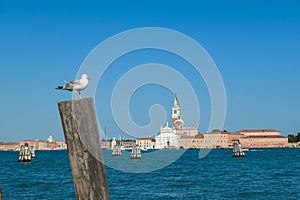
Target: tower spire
x=175, y=110
x=176, y=103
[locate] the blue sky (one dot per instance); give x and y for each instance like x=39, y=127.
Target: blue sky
x=255, y=44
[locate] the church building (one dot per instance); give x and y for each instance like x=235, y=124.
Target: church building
x=178, y=123
x=169, y=136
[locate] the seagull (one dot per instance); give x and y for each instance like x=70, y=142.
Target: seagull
x=76, y=85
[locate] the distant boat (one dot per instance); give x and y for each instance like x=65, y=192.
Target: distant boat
x=148, y=150
x=126, y=148
x=58, y=149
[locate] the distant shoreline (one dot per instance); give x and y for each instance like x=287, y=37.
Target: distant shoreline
x=165, y=149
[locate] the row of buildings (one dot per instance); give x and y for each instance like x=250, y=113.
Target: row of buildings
x=48, y=144
x=247, y=138
x=180, y=136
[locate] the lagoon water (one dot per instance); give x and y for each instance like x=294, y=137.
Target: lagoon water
x=262, y=174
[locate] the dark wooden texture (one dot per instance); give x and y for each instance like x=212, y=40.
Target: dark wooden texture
x=82, y=137
x=0, y=193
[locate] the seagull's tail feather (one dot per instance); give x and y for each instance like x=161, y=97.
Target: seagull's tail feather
x=59, y=88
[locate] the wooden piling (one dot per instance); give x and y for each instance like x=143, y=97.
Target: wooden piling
x=237, y=150
x=0, y=193
x=25, y=153
x=136, y=152
x=116, y=151
x=82, y=137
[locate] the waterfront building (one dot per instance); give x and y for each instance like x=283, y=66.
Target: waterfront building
x=221, y=139
x=9, y=146
x=61, y=144
x=128, y=143
x=248, y=138
x=259, y=132
x=215, y=140
x=146, y=143
x=105, y=144
x=44, y=145
x=188, y=142
x=187, y=131
x=36, y=144
x=262, y=139
x=167, y=138
x=40, y=144
x=232, y=137
x=190, y=137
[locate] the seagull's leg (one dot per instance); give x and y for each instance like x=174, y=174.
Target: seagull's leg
x=79, y=95
x=76, y=95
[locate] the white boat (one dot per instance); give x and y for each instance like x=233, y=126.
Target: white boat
x=126, y=148
x=58, y=149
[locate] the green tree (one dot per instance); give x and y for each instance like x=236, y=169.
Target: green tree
x=292, y=138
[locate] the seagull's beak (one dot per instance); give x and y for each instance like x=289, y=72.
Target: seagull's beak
x=88, y=77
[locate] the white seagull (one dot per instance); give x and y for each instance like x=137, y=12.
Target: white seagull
x=76, y=85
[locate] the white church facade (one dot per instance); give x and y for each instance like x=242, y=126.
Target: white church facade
x=167, y=138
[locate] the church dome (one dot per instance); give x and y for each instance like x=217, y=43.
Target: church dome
x=179, y=123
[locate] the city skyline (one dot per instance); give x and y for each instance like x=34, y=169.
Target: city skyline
x=254, y=45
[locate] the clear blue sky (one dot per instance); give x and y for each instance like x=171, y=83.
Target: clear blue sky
x=255, y=44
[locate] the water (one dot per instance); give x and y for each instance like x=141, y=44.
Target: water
x=262, y=174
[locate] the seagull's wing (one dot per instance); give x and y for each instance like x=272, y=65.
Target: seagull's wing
x=70, y=86
x=75, y=82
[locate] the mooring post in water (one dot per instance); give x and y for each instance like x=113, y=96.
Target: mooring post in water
x=82, y=137
x=0, y=193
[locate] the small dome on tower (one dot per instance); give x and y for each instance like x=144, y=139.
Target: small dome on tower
x=178, y=124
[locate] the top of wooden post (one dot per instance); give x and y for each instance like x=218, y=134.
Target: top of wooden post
x=76, y=100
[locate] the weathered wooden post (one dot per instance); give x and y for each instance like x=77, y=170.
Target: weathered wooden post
x=0, y=193
x=82, y=137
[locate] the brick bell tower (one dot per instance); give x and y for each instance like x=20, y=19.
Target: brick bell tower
x=175, y=110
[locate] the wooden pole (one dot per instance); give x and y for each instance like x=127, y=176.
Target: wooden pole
x=0, y=193
x=82, y=137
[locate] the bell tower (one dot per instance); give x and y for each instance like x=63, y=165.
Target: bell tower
x=175, y=110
